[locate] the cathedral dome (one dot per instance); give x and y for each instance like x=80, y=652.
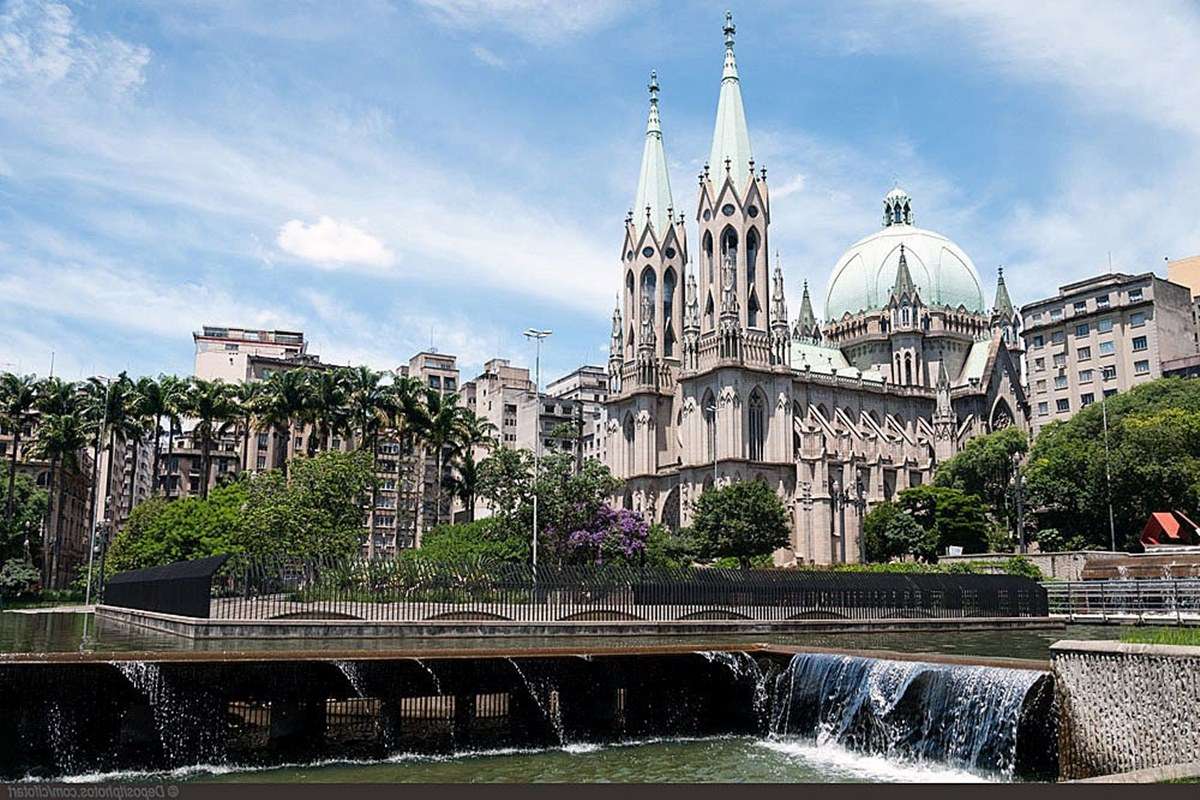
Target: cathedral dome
x=865, y=274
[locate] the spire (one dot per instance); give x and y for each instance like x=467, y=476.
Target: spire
x=807, y=329
x=652, y=201
x=1003, y=305
x=904, y=282
x=778, y=303
x=731, y=137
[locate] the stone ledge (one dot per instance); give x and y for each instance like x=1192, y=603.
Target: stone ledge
x=1125, y=648
x=1173, y=772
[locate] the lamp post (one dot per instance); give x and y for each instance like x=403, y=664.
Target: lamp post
x=838, y=497
x=87, y=592
x=1112, y=527
x=860, y=505
x=537, y=336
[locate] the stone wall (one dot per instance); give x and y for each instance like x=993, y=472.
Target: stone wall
x=1125, y=706
x=1064, y=566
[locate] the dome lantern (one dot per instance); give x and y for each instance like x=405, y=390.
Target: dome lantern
x=897, y=208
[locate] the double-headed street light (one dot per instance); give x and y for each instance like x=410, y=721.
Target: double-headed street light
x=537, y=336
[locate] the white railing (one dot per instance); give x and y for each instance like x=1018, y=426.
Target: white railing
x=1175, y=601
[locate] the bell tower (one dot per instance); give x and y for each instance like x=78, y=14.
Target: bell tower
x=733, y=212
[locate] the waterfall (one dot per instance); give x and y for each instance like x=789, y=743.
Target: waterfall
x=962, y=715
x=437, y=684
x=744, y=667
x=188, y=728
x=353, y=672
x=550, y=707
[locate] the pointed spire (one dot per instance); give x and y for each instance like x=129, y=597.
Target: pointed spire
x=654, y=186
x=904, y=282
x=778, y=303
x=807, y=329
x=1003, y=305
x=731, y=136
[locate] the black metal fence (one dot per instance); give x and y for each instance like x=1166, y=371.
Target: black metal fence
x=183, y=588
x=412, y=591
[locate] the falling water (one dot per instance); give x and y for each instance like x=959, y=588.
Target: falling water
x=965, y=716
x=437, y=684
x=354, y=675
x=185, y=731
x=744, y=667
x=550, y=708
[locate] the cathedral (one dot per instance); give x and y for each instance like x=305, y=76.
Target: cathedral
x=712, y=382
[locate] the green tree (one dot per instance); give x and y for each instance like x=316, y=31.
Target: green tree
x=161, y=531
x=742, y=520
x=875, y=525
x=18, y=395
x=29, y=505
x=488, y=540
x=316, y=510
x=285, y=403
x=59, y=439
x=506, y=481
x=951, y=517
x=985, y=468
x=17, y=579
x=152, y=401
x=568, y=501
x=212, y=405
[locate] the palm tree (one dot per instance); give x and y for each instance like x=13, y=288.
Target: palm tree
x=473, y=431
x=59, y=439
x=439, y=423
x=370, y=403
x=246, y=398
x=212, y=405
x=174, y=391
x=329, y=411
x=286, y=400
x=18, y=393
x=153, y=402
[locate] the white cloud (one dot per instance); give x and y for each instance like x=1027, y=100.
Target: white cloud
x=488, y=57
x=41, y=47
x=790, y=186
x=329, y=243
x=538, y=21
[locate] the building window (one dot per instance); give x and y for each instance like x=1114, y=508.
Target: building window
x=1109, y=392
x=757, y=427
x=1141, y=368
x=1039, y=364
x=1043, y=409
x=1080, y=306
x=435, y=381
x=1041, y=386
x=1102, y=301
x=1058, y=337
x=262, y=462
x=1062, y=404
x=1085, y=376
x=1060, y=359
x=262, y=441
x=1038, y=341
x=449, y=384
x=1105, y=325
x=1056, y=314
x=1035, y=317
x=1107, y=348
x=1086, y=399
x=1081, y=329
x=231, y=348
x=710, y=426
x=1084, y=354
x=1139, y=343
x=1109, y=372
x=1137, y=319
x=1060, y=382
x=1135, y=295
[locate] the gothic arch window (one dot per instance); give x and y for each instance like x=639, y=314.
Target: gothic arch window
x=668, y=311
x=824, y=412
x=756, y=426
x=729, y=246
x=627, y=500
x=627, y=430
x=708, y=312
x=649, y=287
x=630, y=345
x=752, y=308
x=708, y=257
x=1002, y=416
x=752, y=249
x=904, y=313
x=709, y=407
x=669, y=341
x=908, y=370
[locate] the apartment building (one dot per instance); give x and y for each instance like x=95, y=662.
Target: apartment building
x=1186, y=272
x=587, y=386
x=439, y=372
x=1101, y=336
x=229, y=354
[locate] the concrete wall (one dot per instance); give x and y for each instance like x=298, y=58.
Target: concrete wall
x=1125, y=706
x=1064, y=566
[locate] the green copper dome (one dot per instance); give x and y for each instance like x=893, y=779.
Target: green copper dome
x=864, y=275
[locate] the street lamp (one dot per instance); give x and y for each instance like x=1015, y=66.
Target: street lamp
x=838, y=497
x=87, y=592
x=537, y=336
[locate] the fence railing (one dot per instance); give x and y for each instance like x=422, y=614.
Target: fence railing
x=411, y=591
x=1168, y=600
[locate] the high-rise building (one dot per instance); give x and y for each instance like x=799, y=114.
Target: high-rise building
x=587, y=386
x=1186, y=272
x=227, y=353
x=1101, y=336
x=438, y=372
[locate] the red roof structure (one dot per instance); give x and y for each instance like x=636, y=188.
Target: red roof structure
x=1170, y=527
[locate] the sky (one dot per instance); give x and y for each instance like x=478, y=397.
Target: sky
x=390, y=175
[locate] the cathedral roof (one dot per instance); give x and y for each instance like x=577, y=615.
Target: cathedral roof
x=941, y=271
x=654, y=186
x=731, y=137
x=824, y=360
x=975, y=363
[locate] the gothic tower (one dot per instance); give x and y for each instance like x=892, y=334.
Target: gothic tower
x=733, y=212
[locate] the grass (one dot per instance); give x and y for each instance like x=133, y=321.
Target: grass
x=1183, y=636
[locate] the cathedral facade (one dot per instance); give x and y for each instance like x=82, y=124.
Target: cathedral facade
x=712, y=382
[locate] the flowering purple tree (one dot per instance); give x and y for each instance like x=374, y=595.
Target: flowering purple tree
x=611, y=534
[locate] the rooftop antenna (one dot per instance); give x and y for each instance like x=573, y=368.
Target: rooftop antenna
x=1110, y=262
x=51, y=363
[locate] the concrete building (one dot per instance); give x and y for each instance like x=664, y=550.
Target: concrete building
x=1101, y=336
x=1186, y=272
x=587, y=386
x=712, y=383
x=226, y=353
x=438, y=372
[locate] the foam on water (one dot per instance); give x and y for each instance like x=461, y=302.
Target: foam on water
x=857, y=766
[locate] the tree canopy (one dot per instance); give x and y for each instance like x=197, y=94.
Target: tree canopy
x=743, y=520
x=985, y=467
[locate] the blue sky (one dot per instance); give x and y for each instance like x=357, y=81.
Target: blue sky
x=387, y=174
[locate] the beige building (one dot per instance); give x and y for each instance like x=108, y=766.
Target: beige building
x=226, y=353
x=438, y=372
x=712, y=383
x=1101, y=336
x=1186, y=272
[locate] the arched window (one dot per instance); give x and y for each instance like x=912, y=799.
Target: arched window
x=709, y=407
x=729, y=246
x=708, y=313
x=649, y=287
x=627, y=430
x=908, y=370
x=756, y=427
x=751, y=257
x=668, y=312
x=752, y=308
x=708, y=257
x=904, y=314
